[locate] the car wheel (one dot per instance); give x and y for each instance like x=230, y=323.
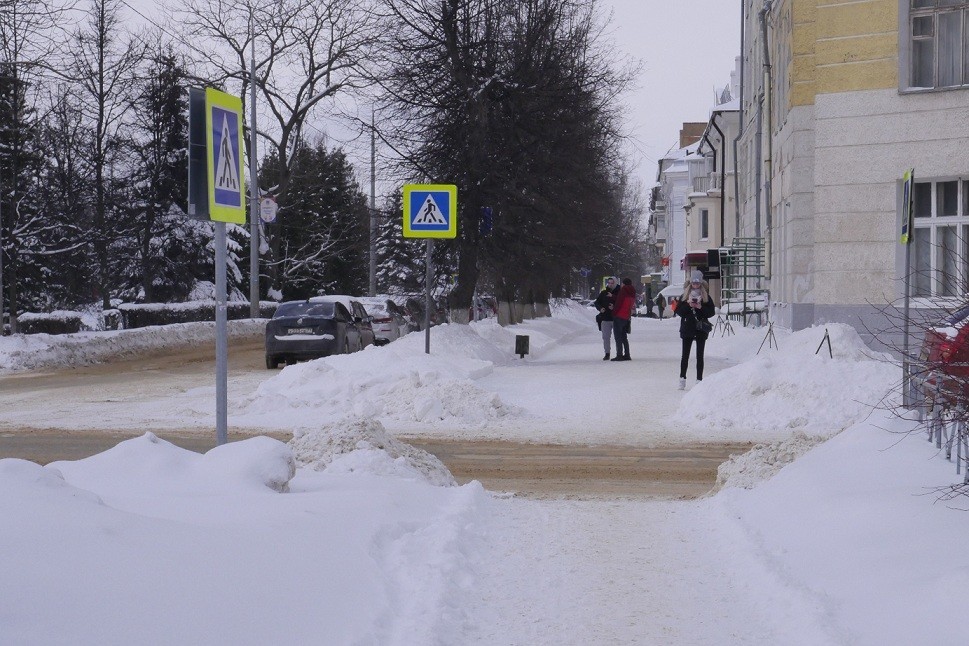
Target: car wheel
x=271, y=362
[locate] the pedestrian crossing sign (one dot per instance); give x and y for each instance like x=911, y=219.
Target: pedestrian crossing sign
x=430, y=211
x=223, y=134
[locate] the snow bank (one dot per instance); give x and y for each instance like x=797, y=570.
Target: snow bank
x=156, y=467
x=762, y=461
x=363, y=445
x=400, y=383
x=148, y=543
x=851, y=525
x=781, y=391
x=45, y=351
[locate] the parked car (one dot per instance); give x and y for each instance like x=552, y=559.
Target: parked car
x=389, y=321
x=487, y=307
x=316, y=327
x=414, y=306
x=944, y=358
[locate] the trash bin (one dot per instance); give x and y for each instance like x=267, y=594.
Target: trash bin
x=521, y=345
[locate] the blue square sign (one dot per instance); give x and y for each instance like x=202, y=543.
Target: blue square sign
x=430, y=211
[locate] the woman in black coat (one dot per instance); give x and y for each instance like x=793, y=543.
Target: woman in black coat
x=695, y=308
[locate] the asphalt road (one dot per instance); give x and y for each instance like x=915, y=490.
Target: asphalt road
x=535, y=470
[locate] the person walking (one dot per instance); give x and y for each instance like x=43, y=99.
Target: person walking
x=621, y=315
x=604, y=304
x=660, y=304
x=695, y=307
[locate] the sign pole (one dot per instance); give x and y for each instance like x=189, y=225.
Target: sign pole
x=216, y=191
x=221, y=338
x=427, y=296
x=908, y=235
x=253, y=182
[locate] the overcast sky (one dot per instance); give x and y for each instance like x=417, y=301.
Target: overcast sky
x=687, y=48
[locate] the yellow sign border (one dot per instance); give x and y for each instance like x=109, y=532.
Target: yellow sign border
x=452, y=191
x=218, y=212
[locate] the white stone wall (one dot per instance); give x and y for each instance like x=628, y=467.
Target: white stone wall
x=792, y=250
x=864, y=141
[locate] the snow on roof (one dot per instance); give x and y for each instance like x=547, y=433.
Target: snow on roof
x=730, y=106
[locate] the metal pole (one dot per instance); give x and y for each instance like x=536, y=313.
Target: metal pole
x=221, y=338
x=253, y=182
x=373, y=204
x=1, y=258
x=427, y=298
x=906, y=365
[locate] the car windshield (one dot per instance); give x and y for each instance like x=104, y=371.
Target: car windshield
x=375, y=309
x=324, y=310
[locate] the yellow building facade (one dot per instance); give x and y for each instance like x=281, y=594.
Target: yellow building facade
x=856, y=92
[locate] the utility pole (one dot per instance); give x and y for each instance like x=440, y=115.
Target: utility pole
x=253, y=181
x=373, y=204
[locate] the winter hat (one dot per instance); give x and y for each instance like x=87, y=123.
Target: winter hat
x=696, y=276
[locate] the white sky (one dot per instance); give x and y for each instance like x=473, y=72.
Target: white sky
x=687, y=48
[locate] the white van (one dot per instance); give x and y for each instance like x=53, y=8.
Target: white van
x=668, y=292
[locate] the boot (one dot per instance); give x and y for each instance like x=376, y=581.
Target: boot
x=606, y=358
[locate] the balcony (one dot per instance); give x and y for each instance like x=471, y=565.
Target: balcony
x=701, y=184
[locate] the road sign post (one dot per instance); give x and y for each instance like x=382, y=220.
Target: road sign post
x=430, y=212
x=216, y=192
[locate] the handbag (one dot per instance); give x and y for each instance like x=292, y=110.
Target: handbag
x=704, y=326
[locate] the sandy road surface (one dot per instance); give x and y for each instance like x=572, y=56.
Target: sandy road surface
x=40, y=411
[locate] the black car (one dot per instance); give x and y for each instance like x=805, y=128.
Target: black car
x=316, y=327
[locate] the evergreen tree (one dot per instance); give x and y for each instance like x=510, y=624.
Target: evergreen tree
x=323, y=224
x=400, y=260
x=170, y=251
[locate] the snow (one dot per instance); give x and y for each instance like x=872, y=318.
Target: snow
x=46, y=351
x=829, y=531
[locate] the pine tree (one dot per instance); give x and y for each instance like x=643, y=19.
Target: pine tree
x=322, y=226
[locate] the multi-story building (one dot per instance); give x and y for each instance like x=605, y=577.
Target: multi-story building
x=675, y=178
x=845, y=98
x=693, y=207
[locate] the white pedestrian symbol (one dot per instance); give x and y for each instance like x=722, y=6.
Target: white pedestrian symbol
x=429, y=213
x=227, y=175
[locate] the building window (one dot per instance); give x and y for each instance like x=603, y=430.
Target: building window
x=940, y=251
x=704, y=224
x=938, y=43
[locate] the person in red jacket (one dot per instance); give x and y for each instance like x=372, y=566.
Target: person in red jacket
x=622, y=312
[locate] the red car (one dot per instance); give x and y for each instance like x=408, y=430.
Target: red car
x=944, y=359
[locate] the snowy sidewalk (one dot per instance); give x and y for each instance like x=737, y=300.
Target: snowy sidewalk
x=621, y=572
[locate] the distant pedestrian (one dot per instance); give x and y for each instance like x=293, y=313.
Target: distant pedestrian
x=660, y=304
x=622, y=314
x=695, y=308
x=604, y=304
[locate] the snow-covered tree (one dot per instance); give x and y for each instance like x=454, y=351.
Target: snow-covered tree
x=322, y=225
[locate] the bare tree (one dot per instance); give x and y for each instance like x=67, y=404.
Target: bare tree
x=306, y=51
x=103, y=63
x=513, y=101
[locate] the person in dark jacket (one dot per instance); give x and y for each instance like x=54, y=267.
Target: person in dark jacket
x=695, y=306
x=604, y=304
x=621, y=315
x=660, y=304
